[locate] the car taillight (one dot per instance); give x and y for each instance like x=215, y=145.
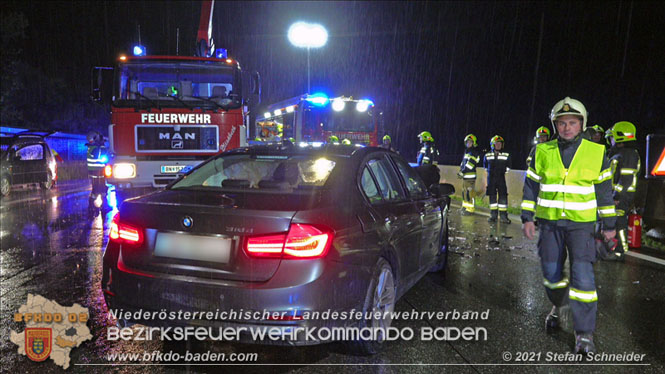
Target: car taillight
x=301, y=242
x=122, y=232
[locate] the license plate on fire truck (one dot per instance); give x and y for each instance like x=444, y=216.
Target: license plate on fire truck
x=172, y=169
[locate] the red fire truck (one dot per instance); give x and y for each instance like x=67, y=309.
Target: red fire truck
x=169, y=113
x=314, y=118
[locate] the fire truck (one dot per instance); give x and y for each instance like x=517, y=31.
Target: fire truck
x=169, y=113
x=314, y=118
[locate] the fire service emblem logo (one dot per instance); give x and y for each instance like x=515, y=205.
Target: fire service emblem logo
x=38, y=343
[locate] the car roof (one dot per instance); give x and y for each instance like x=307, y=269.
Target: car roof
x=287, y=148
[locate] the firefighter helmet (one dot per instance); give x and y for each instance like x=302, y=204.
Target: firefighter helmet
x=496, y=139
x=472, y=138
x=543, y=130
x=568, y=106
x=346, y=142
x=93, y=137
x=333, y=139
x=597, y=128
x=425, y=136
x=387, y=137
x=623, y=131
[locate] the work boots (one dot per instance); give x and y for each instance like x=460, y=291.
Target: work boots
x=493, y=215
x=584, y=343
x=504, y=218
x=558, y=316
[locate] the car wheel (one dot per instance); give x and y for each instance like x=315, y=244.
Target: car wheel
x=442, y=258
x=380, y=299
x=5, y=186
x=49, y=182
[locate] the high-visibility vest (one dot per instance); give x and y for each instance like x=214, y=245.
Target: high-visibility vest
x=96, y=157
x=569, y=193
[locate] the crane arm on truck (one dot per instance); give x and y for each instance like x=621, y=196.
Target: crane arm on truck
x=205, y=46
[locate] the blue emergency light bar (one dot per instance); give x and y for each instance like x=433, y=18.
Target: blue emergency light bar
x=139, y=50
x=221, y=53
x=318, y=99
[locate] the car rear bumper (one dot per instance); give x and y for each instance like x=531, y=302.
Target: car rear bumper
x=297, y=288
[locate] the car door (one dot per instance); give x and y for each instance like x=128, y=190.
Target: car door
x=398, y=218
x=429, y=212
x=31, y=163
x=18, y=168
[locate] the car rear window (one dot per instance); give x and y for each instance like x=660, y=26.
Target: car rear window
x=260, y=173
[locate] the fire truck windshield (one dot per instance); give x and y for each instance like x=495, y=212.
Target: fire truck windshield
x=187, y=84
x=348, y=119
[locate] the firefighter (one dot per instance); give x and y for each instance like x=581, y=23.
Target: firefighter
x=542, y=135
x=97, y=157
x=625, y=164
x=346, y=142
x=387, y=143
x=332, y=139
x=596, y=133
x=497, y=164
x=468, y=173
x=428, y=154
x=568, y=183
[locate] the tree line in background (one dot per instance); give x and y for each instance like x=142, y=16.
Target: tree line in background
x=31, y=99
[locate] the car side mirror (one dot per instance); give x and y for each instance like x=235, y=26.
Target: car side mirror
x=442, y=189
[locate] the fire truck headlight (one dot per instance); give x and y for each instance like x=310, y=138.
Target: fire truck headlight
x=124, y=171
x=362, y=106
x=338, y=105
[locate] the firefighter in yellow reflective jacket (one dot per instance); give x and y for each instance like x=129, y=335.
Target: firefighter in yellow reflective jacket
x=625, y=163
x=428, y=154
x=569, y=182
x=497, y=163
x=542, y=135
x=468, y=173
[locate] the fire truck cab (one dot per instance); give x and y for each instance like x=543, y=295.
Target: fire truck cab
x=170, y=113
x=314, y=118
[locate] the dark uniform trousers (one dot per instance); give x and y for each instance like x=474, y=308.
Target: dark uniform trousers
x=576, y=241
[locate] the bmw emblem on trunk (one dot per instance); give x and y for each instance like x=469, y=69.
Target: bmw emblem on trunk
x=187, y=222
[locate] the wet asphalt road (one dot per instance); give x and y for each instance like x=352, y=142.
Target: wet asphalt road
x=51, y=244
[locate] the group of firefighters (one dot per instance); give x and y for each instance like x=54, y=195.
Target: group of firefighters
x=578, y=191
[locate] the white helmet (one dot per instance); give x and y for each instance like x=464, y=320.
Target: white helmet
x=568, y=106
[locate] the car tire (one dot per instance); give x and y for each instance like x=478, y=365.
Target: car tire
x=49, y=182
x=442, y=258
x=381, y=297
x=5, y=186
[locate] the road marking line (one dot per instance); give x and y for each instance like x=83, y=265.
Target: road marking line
x=646, y=257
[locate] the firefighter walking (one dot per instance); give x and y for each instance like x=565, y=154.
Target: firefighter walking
x=569, y=182
x=625, y=164
x=468, y=173
x=428, y=154
x=497, y=163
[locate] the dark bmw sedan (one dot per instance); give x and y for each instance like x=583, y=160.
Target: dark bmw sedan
x=286, y=231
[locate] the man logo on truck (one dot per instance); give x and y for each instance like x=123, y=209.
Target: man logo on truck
x=177, y=136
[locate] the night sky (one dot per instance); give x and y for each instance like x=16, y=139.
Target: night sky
x=448, y=67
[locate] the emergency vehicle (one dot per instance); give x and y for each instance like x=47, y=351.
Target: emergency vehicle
x=169, y=113
x=314, y=118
